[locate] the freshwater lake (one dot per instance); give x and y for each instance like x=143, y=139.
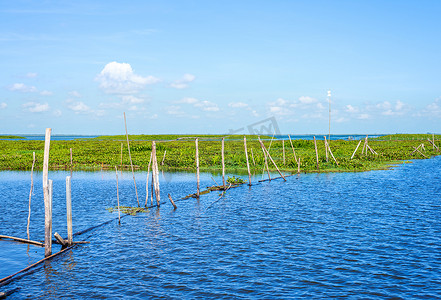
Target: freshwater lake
x=370, y=235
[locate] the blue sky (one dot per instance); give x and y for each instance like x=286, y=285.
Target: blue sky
x=211, y=67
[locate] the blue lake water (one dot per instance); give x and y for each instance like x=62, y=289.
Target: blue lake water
x=374, y=235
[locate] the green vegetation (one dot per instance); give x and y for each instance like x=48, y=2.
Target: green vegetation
x=235, y=180
x=96, y=154
x=11, y=137
x=128, y=210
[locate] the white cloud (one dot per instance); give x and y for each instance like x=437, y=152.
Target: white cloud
x=237, y=105
x=119, y=78
x=46, y=93
x=21, y=87
x=174, y=110
x=75, y=94
x=132, y=99
x=351, y=109
x=188, y=100
x=307, y=100
x=35, y=107
x=31, y=75
x=78, y=107
x=207, y=106
x=183, y=82
x=3, y=105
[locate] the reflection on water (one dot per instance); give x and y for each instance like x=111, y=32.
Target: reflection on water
x=343, y=235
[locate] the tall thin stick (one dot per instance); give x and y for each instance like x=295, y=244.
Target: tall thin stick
x=172, y=202
x=283, y=146
x=163, y=158
x=316, y=154
x=147, y=183
x=223, y=162
x=130, y=157
x=356, y=149
x=293, y=151
x=121, y=165
x=326, y=148
x=263, y=146
x=266, y=163
x=155, y=174
x=246, y=156
x=51, y=190
x=252, y=156
x=47, y=200
x=298, y=166
x=433, y=139
x=69, y=211
x=117, y=195
x=197, y=168
x=30, y=193
x=71, y=162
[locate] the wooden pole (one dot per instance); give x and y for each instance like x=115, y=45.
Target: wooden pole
x=30, y=193
x=326, y=148
x=49, y=244
x=147, y=183
x=172, y=202
x=22, y=241
x=155, y=174
x=298, y=166
x=223, y=162
x=117, y=196
x=121, y=165
x=293, y=151
x=433, y=144
x=330, y=152
x=356, y=149
x=252, y=155
x=197, y=168
x=246, y=156
x=47, y=201
x=316, y=154
x=364, y=146
x=130, y=157
x=69, y=210
x=163, y=158
x=266, y=163
x=272, y=160
x=71, y=162
x=283, y=149
x=60, y=239
x=433, y=139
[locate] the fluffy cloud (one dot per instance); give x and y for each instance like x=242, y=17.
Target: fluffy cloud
x=3, y=105
x=132, y=99
x=21, y=87
x=78, y=107
x=183, y=82
x=237, y=105
x=207, y=106
x=307, y=100
x=188, y=100
x=174, y=110
x=36, y=107
x=119, y=78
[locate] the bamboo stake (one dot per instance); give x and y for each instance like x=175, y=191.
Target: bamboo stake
x=48, y=245
x=252, y=155
x=271, y=159
x=330, y=151
x=69, y=210
x=293, y=151
x=298, y=166
x=30, y=193
x=117, y=196
x=223, y=163
x=172, y=202
x=416, y=149
x=147, y=183
x=130, y=157
x=155, y=174
x=433, y=144
x=266, y=163
x=283, y=147
x=197, y=168
x=326, y=148
x=316, y=154
x=121, y=165
x=163, y=158
x=433, y=139
x=420, y=152
x=246, y=156
x=364, y=146
x=47, y=203
x=356, y=149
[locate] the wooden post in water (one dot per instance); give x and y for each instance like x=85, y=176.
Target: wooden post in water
x=223, y=162
x=263, y=146
x=356, y=149
x=266, y=162
x=69, y=211
x=326, y=148
x=283, y=146
x=117, y=196
x=130, y=157
x=246, y=156
x=163, y=158
x=252, y=155
x=30, y=193
x=298, y=166
x=51, y=191
x=47, y=200
x=147, y=181
x=172, y=202
x=197, y=168
x=316, y=154
x=155, y=174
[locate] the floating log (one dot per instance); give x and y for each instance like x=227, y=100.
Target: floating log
x=3, y=295
x=316, y=154
x=30, y=193
x=69, y=210
x=22, y=240
x=130, y=157
x=172, y=202
x=246, y=156
x=47, y=200
x=356, y=149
